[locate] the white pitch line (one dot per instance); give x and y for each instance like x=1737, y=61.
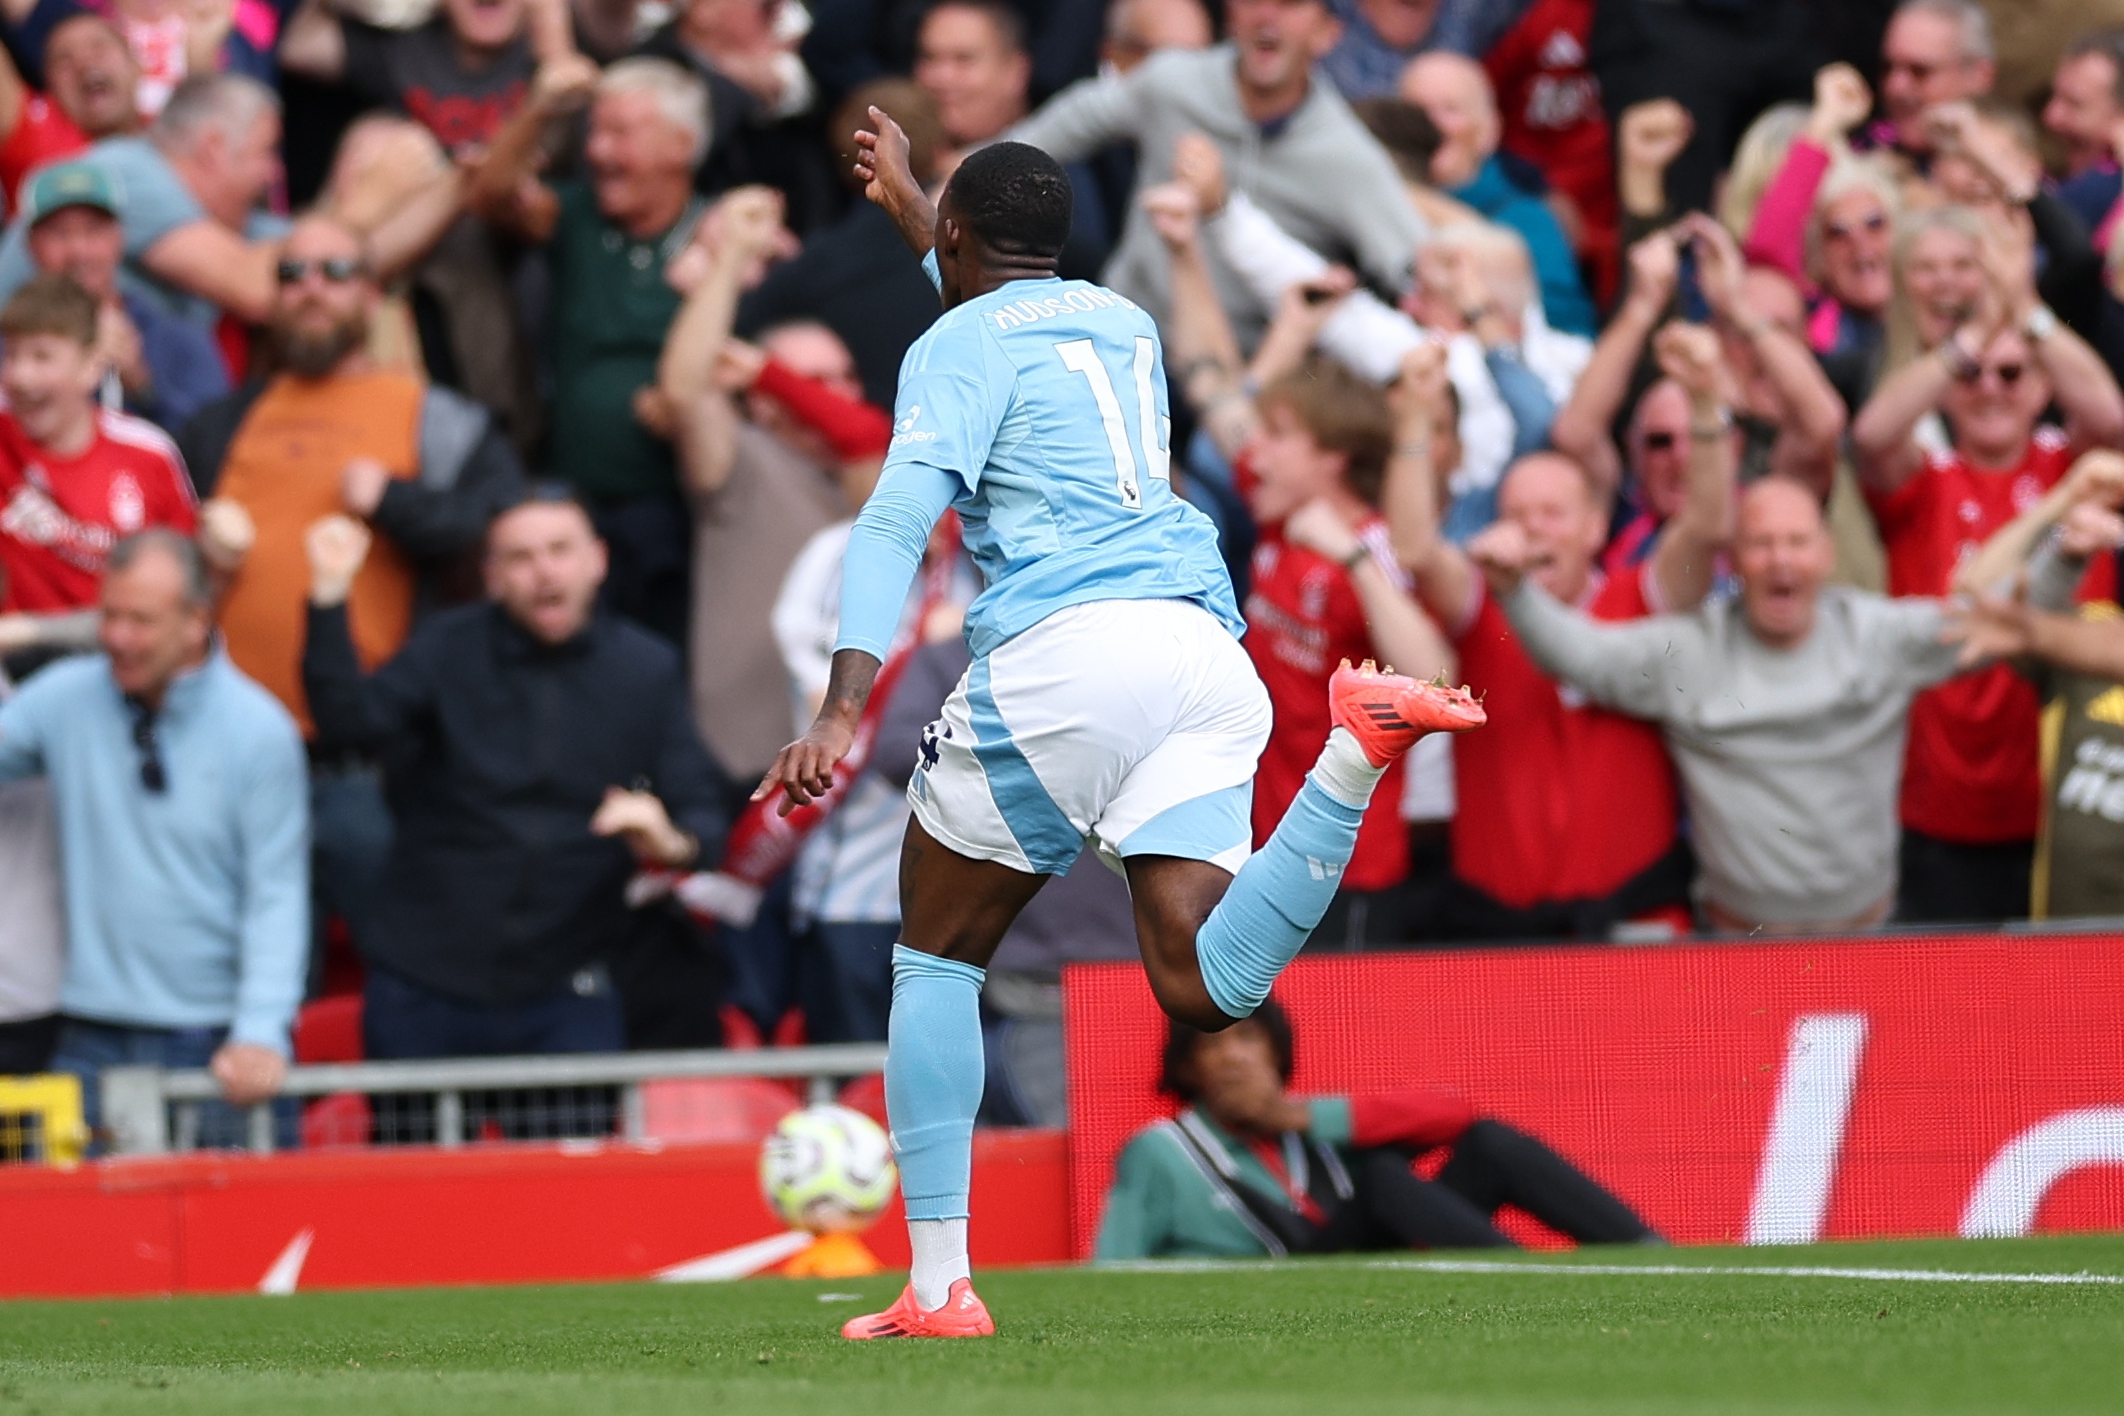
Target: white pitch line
x=1891, y=1275
x=1739, y=1270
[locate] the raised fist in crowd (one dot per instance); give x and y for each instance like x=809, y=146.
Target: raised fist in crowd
x=336, y=546
x=1690, y=355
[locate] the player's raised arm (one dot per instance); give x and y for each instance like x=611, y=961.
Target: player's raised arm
x=888, y=180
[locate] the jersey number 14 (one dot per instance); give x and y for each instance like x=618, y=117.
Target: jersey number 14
x=1154, y=432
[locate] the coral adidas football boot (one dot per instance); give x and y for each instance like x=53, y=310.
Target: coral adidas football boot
x=1388, y=712
x=963, y=1315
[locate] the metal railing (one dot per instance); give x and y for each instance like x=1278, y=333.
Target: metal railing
x=140, y=1104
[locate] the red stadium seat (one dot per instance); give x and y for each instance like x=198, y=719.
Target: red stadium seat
x=715, y=1108
x=741, y=1034
x=867, y=1095
x=329, y=1030
x=343, y=1119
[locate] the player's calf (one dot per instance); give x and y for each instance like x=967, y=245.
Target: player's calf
x=1278, y=897
x=1173, y=898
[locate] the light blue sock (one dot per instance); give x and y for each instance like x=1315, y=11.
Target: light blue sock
x=1276, y=900
x=934, y=1071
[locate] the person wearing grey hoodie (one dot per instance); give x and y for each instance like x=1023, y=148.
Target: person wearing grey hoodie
x=1288, y=140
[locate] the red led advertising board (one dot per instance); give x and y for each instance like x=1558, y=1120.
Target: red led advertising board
x=1766, y=1093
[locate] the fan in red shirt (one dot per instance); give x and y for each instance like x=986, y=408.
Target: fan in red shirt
x=1325, y=590
x=1568, y=813
x=1970, y=774
x=75, y=479
x=1550, y=104
x=92, y=77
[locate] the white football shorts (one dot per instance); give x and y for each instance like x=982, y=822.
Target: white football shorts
x=1135, y=724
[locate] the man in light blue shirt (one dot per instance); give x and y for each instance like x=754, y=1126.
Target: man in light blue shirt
x=182, y=800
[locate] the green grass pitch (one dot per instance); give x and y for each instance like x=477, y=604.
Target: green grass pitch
x=1351, y=1335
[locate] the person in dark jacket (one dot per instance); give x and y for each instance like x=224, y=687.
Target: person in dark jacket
x=547, y=750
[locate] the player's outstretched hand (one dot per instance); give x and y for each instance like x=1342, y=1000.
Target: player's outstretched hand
x=803, y=771
x=889, y=181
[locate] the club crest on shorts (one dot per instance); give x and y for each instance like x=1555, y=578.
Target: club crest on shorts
x=932, y=743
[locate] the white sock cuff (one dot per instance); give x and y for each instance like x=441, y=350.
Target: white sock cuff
x=939, y=1247
x=1344, y=772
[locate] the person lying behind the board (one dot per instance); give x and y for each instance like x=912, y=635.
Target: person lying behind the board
x=1248, y=1169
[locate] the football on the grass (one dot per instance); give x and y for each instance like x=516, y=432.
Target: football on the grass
x=827, y=1169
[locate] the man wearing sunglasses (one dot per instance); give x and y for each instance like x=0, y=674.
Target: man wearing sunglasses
x=183, y=821
x=333, y=432
x=1970, y=785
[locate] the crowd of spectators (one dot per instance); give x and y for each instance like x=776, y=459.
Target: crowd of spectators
x=432, y=428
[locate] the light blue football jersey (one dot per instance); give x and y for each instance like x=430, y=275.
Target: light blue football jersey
x=1046, y=399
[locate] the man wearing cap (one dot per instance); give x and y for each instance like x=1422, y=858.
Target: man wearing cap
x=162, y=368
x=190, y=191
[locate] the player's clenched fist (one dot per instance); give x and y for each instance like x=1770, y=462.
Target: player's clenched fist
x=883, y=166
x=336, y=546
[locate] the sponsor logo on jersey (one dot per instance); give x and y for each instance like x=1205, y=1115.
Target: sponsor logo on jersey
x=2095, y=785
x=128, y=506
x=2108, y=706
x=904, y=431
x=1563, y=51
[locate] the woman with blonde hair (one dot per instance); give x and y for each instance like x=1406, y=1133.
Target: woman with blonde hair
x=1761, y=156
x=1938, y=267
x=1824, y=221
